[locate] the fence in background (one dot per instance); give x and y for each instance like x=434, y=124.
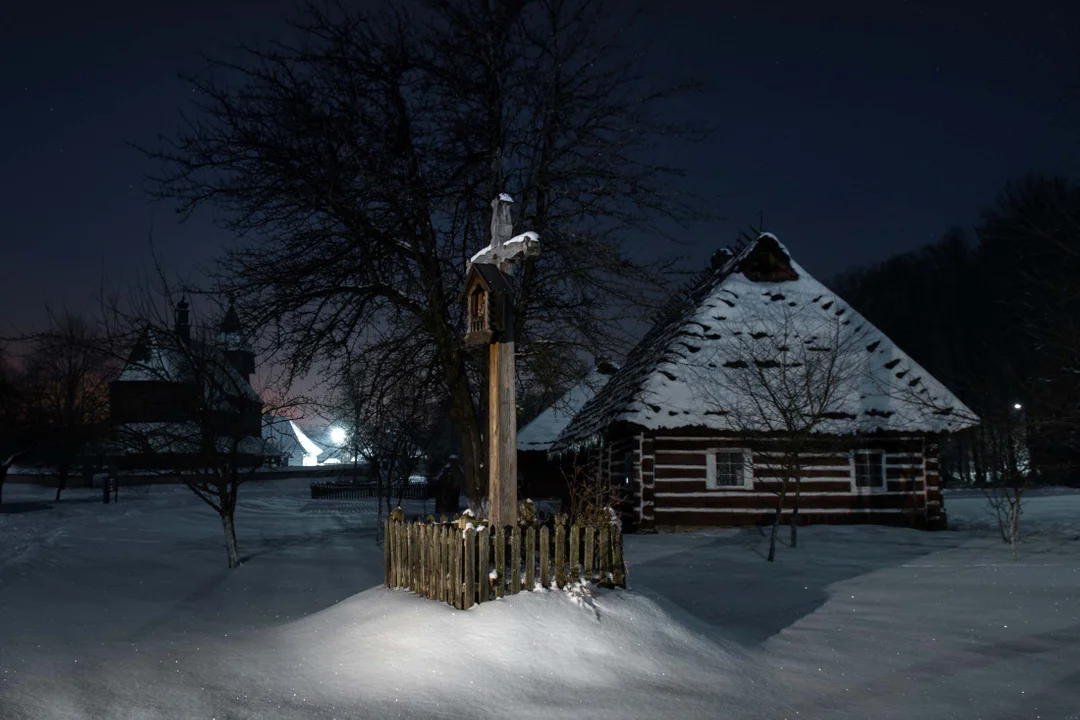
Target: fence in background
x=464, y=567
x=345, y=491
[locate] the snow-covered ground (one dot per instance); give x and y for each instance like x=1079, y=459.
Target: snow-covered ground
x=127, y=611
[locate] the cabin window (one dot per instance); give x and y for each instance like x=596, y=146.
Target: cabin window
x=725, y=468
x=869, y=469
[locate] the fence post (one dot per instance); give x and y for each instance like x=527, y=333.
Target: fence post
x=560, y=554
x=470, y=568
x=397, y=553
x=587, y=564
x=416, y=557
x=410, y=567
x=530, y=558
x=500, y=561
x=605, y=554
x=440, y=565
x=545, y=569
x=515, y=560
x=575, y=553
x=619, y=570
x=483, y=539
x=455, y=566
x=387, y=558
x=433, y=562
x=425, y=557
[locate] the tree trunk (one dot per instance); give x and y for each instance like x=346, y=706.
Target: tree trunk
x=3, y=476
x=776, y=520
x=373, y=468
x=230, y=536
x=463, y=413
x=1014, y=522
x=795, y=516
x=61, y=485
x=772, y=534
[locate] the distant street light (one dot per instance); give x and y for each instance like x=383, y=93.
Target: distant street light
x=337, y=435
x=1017, y=406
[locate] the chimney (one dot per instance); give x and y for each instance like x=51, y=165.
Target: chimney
x=720, y=258
x=502, y=227
x=183, y=325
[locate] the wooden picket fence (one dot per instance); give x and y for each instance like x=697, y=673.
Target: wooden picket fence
x=464, y=567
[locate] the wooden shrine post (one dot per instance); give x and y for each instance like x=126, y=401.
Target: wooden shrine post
x=491, y=321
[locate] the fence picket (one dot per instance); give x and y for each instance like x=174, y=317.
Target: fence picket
x=618, y=569
x=575, y=553
x=429, y=537
x=397, y=553
x=387, y=557
x=530, y=558
x=440, y=565
x=415, y=577
x=483, y=585
x=470, y=568
x=545, y=570
x=454, y=539
x=605, y=554
x=587, y=563
x=560, y=555
x=500, y=561
x=515, y=560
x=410, y=577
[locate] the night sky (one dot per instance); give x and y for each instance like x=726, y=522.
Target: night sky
x=861, y=129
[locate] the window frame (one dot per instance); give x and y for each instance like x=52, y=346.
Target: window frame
x=629, y=476
x=855, y=486
x=711, y=475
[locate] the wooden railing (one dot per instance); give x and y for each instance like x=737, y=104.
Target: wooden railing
x=443, y=562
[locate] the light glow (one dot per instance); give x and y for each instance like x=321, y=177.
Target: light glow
x=337, y=435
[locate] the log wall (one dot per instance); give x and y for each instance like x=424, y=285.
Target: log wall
x=671, y=490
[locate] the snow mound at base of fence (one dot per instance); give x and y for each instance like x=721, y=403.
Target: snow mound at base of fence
x=601, y=652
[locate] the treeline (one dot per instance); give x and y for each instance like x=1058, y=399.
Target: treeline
x=994, y=313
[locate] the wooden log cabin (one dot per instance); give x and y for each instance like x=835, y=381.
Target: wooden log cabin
x=676, y=429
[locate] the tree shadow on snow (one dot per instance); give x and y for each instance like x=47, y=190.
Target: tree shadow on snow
x=25, y=506
x=321, y=539
x=728, y=586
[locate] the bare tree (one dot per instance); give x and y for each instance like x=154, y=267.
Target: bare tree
x=361, y=158
x=67, y=374
x=203, y=421
x=1030, y=247
x=592, y=500
x=392, y=420
x=783, y=374
x=1007, y=470
x=15, y=438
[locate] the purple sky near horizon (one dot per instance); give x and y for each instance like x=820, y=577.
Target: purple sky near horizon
x=860, y=129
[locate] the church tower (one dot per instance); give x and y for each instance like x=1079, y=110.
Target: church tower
x=233, y=345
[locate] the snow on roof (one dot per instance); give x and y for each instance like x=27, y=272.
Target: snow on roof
x=660, y=385
x=542, y=431
x=162, y=357
x=507, y=251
